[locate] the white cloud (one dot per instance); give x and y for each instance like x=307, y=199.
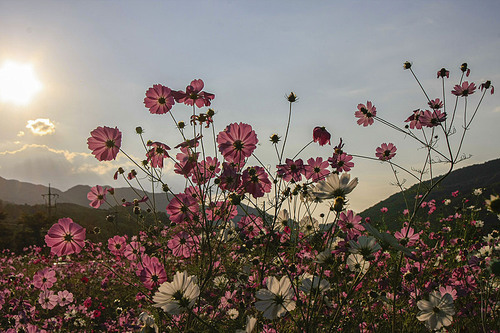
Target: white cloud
x=41, y=126
x=21, y=133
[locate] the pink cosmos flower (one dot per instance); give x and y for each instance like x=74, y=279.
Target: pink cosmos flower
x=64, y=297
x=384, y=210
x=442, y=73
x=487, y=85
x=206, y=170
x=157, y=153
x=407, y=236
x=251, y=225
x=159, y=99
x=291, y=170
x=256, y=182
x=48, y=299
x=321, y=135
x=341, y=162
x=182, y=207
x=432, y=118
x=350, y=223
x=366, y=113
x=65, y=237
x=194, y=95
x=182, y=245
x=187, y=161
x=316, y=169
x=117, y=245
x=414, y=119
x=44, y=279
x=221, y=211
x=464, y=90
x=152, y=273
x=435, y=104
x=448, y=290
x=133, y=250
x=230, y=179
x=386, y=151
x=97, y=196
x=105, y=143
x=237, y=142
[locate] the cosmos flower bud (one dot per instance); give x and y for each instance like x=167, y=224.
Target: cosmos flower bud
x=292, y=97
x=407, y=65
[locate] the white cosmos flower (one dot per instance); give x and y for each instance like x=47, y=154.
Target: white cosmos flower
x=366, y=246
x=251, y=321
x=437, y=312
x=357, y=263
x=308, y=225
x=276, y=300
x=314, y=283
x=282, y=220
x=333, y=186
x=176, y=296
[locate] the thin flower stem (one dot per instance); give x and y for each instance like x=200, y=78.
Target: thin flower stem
x=286, y=134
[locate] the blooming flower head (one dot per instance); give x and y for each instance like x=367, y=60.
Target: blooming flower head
x=44, y=279
x=183, y=245
x=464, y=90
x=437, y=312
x=117, y=245
x=414, y=119
x=357, y=263
x=157, y=153
x=365, y=245
x=366, y=113
x=350, y=223
x=176, y=296
x=436, y=104
x=321, y=136
x=97, y=196
x=291, y=170
x=251, y=225
x=341, y=162
x=407, y=236
x=65, y=237
x=386, y=151
x=193, y=95
x=333, y=186
x=105, y=143
x=256, y=181
x=151, y=272
x=432, y=118
x=277, y=299
x=237, y=142
x=47, y=299
x=159, y=99
x=64, y=297
x=133, y=250
x=311, y=284
x=308, y=225
x=182, y=207
x=316, y=169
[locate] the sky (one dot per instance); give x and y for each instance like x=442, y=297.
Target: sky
x=96, y=59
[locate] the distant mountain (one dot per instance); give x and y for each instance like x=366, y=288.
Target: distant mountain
x=465, y=180
x=21, y=193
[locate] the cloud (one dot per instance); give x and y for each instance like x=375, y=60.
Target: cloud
x=21, y=133
x=41, y=126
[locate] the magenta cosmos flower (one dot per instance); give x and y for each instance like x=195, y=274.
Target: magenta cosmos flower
x=97, y=196
x=157, y=153
x=256, y=182
x=194, y=95
x=47, y=299
x=65, y=237
x=105, y=143
x=237, y=142
x=321, y=136
x=432, y=118
x=117, y=245
x=317, y=169
x=182, y=245
x=291, y=170
x=182, y=207
x=152, y=273
x=159, y=99
x=251, y=225
x=464, y=90
x=386, y=151
x=366, y=113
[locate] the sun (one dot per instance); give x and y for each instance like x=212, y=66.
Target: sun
x=18, y=83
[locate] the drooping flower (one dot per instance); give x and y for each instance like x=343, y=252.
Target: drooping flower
x=291, y=170
x=442, y=73
x=182, y=207
x=182, y=245
x=157, y=153
x=414, y=119
x=151, y=273
x=44, y=279
x=237, y=142
x=386, y=151
x=47, y=299
x=333, y=186
x=65, y=237
x=159, y=99
x=465, y=69
x=97, y=196
x=277, y=299
x=321, y=136
x=487, y=85
x=366, y=113
x=316, y=169
x=194, y=95
x=432, y=118
x=256, y=181
x=117, y=245
x=437, y=312
x=105, y=143
x=177, y=296
x=464, y=90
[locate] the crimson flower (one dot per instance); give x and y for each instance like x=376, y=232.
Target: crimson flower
x=97, y=196
x=65, y=237
x=487, y=85
x=386, y=151
x=194, y=95
x=105, y=143
x=321, y=135
x=159, y=99
x=464, y=90
x=236, y=142
x=366, y=113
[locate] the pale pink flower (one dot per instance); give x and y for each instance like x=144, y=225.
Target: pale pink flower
x=182, y=245
x=386, y=151
x=321, y=136
x=256, y=181
x=366, y=113
x=316, y=169
x=448, y=290
x=44, y=279
x=117, y=245
x=464, y=90
x=237, y=142
x=97, y=196
x=159, y=99
x=65, y=237
x=105, y=143
x=64, y=297
x=48, y=299
x=194, y=95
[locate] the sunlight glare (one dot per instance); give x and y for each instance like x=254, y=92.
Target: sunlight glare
x=18, y=83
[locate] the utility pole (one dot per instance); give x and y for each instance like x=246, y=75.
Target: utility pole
x=48, y=200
